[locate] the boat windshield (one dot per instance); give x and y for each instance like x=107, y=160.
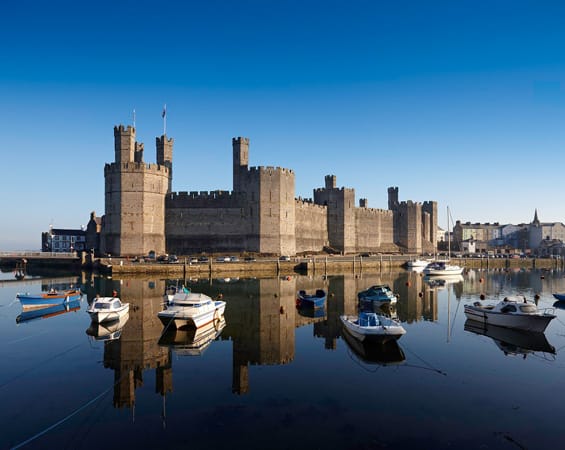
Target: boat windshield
x=101, y=305
x=116, y=304
x=528, y=309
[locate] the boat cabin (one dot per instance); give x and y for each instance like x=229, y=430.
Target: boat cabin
x=367, y=319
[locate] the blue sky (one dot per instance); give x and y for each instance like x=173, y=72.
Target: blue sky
x=458, y=102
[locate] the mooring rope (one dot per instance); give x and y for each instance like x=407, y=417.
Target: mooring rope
x=64, y=419
x=30, y=369
x=429, y=366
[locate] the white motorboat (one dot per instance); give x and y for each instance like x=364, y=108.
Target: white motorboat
x=372, y=326
x=442, y=268
x=105, y=309
x=191, y=309
x=512, y=312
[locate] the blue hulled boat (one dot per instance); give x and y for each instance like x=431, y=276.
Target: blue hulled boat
x=48, y=311
x=560, y=297
x=311, y=300
x=377, y=293
x=53, y=297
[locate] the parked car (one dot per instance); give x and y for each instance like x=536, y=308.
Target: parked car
x=223, y=259
x=250, y=258
x=234, y=259
x=203, y=259
x=173, y=259
x=284, y=258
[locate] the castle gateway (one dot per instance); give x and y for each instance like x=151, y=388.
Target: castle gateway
x=261, y=214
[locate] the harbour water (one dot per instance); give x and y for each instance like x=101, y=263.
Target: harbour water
x=276, y=377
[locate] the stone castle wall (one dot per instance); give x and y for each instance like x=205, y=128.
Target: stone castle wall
x=374, y=230
x=207, y=221
x=311, y=226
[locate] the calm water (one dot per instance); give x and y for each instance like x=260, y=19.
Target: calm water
x=276, y=378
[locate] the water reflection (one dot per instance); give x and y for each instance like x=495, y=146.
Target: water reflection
x=512, y=341
x=107, y=331
x=190, y=341
x=380, y=353
x=48, y=311
x=263, y=327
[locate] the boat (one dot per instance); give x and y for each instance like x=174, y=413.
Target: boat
x=109, y=330
x=385, y=353
x=560, y=297
x=442, y=268
x=417, y=263
x=193, y=310
x=311, y=300
x=107, y=309
x=380, y=293
x=48, y=311
x=192, y=341
x=185, y=297
x=372, y=326
x=511, y=341
x=512, y=312
x=53, y=297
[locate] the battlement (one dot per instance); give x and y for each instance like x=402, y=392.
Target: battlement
x=133, y=167
x=270, y=170
x=122, y=129
x=341, y=189
x=201, y=194
x=409, y=204
x=366, y=212
x=205, y=199
x=308, y=203
x=163, y=138
x=240, y=140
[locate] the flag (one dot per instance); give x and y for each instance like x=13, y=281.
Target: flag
x=164, y=113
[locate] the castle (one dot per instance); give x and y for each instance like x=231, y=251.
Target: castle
x=261, y=214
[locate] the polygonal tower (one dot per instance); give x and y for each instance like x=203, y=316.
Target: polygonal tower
x=134, y=221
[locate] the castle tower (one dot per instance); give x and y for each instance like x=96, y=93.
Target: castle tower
x=341, y=214
x=392, y=198
x=134, y=221
x=240, y=147
x=165, y=156
x=124, y=143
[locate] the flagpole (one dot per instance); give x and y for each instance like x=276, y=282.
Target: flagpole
x=134, y=118
x=165, y=120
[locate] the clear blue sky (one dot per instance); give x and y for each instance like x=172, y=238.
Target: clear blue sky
x=459, y=102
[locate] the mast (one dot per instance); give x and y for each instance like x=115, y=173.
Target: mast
x=448, y=236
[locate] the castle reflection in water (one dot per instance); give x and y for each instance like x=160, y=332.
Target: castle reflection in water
x=261, y=321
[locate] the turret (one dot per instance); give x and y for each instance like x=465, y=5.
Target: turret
x=240, y=147
x=165, y=156
x=392, y=198
x=124, y=143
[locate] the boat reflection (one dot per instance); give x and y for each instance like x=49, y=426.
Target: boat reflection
x=441, y=282
x=48, y=311
x=512, y=341
x=189, y=341
x=311, y=312
x=385, y=353
x=107, y=331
